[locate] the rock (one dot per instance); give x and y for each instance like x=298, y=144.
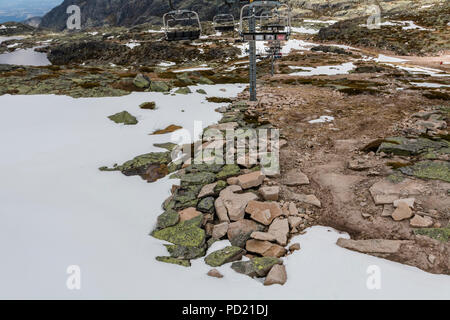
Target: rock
x=228, y=170
x=307, y=198
x=264, y=236
x=159, y=86
x=214, y=273
x=295, y=177
x=436, y=170
x=265, y=248
x=184, y=263
x=148, y=105
x=123, y=117
x=236, y=203
x=221, y=210
x=201, y=91
x=263, y=212
x=358, y=165
x=184, y=90
x=256, y=267
x=226, y=255
x=408, y=201
x=270, y=193
x=402, y=212
x=141, y=81
x=206, y=205
x=198, y=178
x=220, y=230
x=207, y=190
x=276, y=275
x=431, y=258
x=232, y=180
x=386, y=192
x=421, y=222
x=167, y=219
x=294, y=222
x=280, y=229
x=294, y=247
x=388, y=209
x=440, y=234
x=402, y=146
x=188, y=214
x=293, y=211
x=250, y=180
x=186, y=233
x=239, y=232
x=372, y=245
x=225, y=126
x=185, y=253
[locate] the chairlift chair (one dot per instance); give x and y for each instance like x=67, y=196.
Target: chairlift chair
x=182, y=25
x=273, y=21
x=224, y=22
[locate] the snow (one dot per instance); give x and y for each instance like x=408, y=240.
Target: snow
x=25, y=57
x=132, y=44
x=384, y=58
x=320, y=21
x=2, y=39
x=59, y=210
x=429, y=85
x=344, y=68
x=322, y=119
x=304, y=30
x=166, y=64
x=406, y=25
x=201, y=67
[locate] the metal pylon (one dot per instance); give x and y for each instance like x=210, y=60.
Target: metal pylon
x=252, y=53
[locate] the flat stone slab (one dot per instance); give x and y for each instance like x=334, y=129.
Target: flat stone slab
x=372, y=245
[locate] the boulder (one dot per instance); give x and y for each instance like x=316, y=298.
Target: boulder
x=294, y=247
x=276, y=275
x=220, y=230
x=373, y=245
x=214, y=273
x=124, y=117
x=294, y=221
x=188, y=214
x=436, y=170
x=256, y=267
x=250, y=180
x=386, y=192
x=159, y=86
x=264, y=236
x=270, y=193
x=207, y=190
x=184, y=90
x=421, y=222
x=206, y=205
x=186, y=233
x=221, y=210
x=402, y=212
x=239, y=232
x=167, y=219
x=293, y=211
x=236, y=203
x=263, y=212
x=226, y=255
x=183, y=263
x=228, y=170
x=307, y=198
x=185, y=253
x=198, y=178
x=408, y=201
x=295, y=177
x=265, y=248
x=280, y=229
x=141, y=81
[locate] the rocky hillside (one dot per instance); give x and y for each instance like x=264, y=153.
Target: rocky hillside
x=127, y=12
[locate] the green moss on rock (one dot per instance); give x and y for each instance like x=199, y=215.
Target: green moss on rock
x=256, y=267
x=198, y=178
x=229, y=170
x=184, y=90
x=437, y=170
x=186, y=253
x=167, y=219
x=124, y=117
x=186, y=233
x=441, y=234
x=226, y=255
x=183, y=263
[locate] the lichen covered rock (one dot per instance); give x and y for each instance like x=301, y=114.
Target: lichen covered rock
x=167, y=219
x=123, y=117
x=256, y=267
x=226, y=255
x=186, y=233
x=184, y=263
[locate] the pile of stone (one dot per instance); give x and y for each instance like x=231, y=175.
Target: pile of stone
x=235, y=202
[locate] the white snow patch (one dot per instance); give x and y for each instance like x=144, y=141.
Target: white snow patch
x=322, y=119
x=25, y=57
x=344, y=68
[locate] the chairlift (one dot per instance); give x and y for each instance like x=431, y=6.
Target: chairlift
x=181, y=25
x=272, y=21
x=224, y=22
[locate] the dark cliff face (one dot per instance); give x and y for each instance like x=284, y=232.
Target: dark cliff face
x=128, y=12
